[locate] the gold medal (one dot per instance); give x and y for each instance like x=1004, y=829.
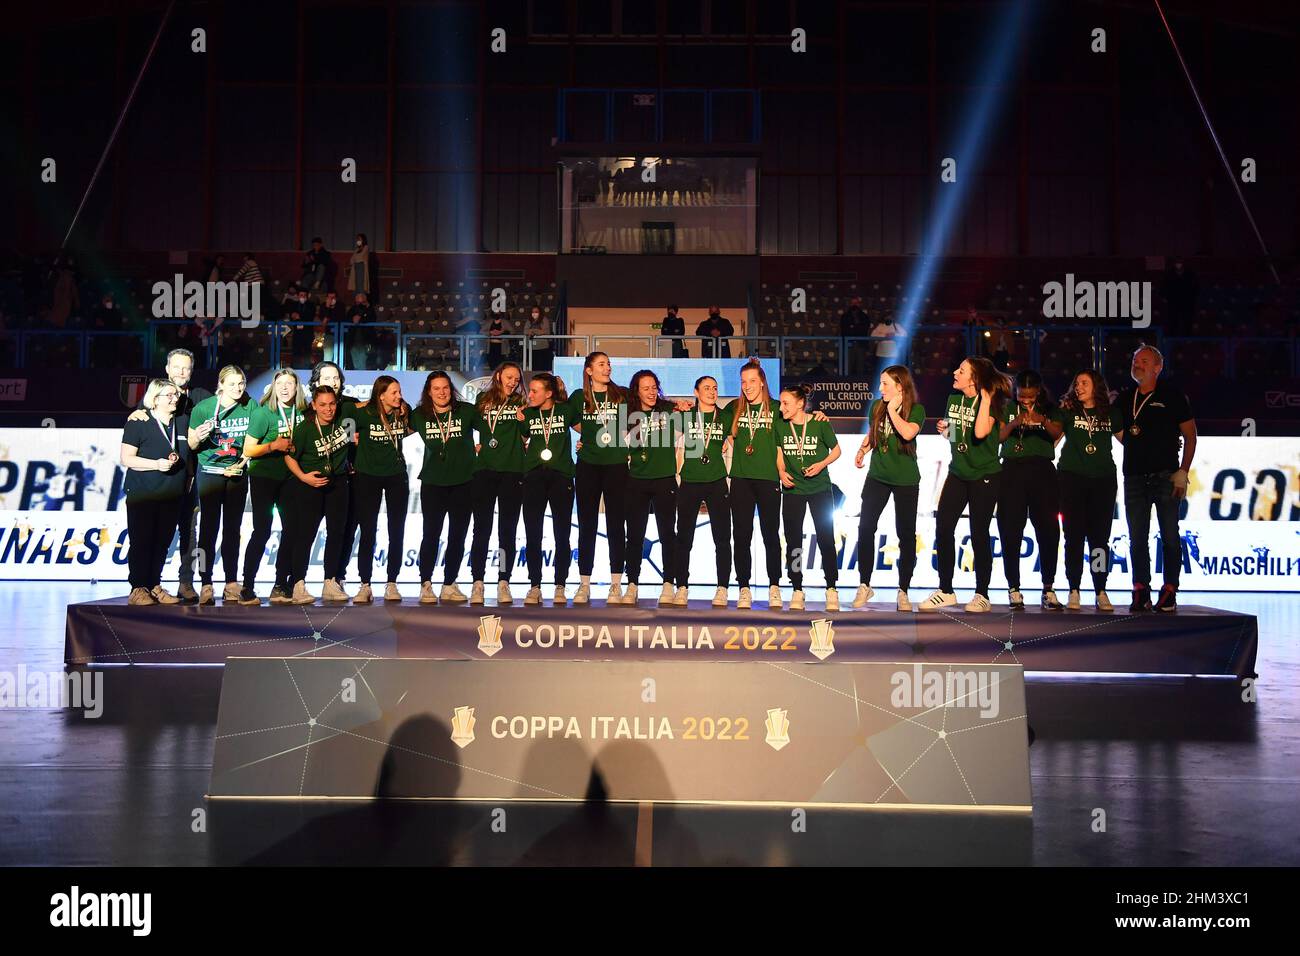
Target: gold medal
x=749, y=449
x=1018, y=447
x=1090, y=448
x=1135, y=430
x=963, y=447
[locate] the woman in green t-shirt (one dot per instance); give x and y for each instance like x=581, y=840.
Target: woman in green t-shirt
x=652, y=481
x=319, y=463
x=1088, y=482
x=498, y=479
x=548, y=479
x=1029, y=432
x=380, y=479
x=329, y=373
x=704, y=480
x=805, y=450
x=446, y=426
x=750, y=421
x=219, y=424
x=894, y=422
x=268, y=439
x=970, y=425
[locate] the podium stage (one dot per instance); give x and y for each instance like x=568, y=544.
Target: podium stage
x=1193, y=641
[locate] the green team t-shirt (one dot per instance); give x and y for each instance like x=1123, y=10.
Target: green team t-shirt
x=322, y=448
x=804, y=445
x=705, y=434
x=980, y=459
x=1034, y=442
x=1087, y=429
x=500, y=437
x=224, y=445
x=379, y=448
x=551, y=430
x=266, y=426
x=348, y=412
x=600, y=439
x=890, y=465
x=450, y=461
x=651, y=442
x=762, y=463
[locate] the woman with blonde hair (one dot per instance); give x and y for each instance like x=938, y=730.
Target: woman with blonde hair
x=268, y=439
x=498, y=479
x=895, y=420
x=218, y=425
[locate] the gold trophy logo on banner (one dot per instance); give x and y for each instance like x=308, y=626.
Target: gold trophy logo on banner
x=778, y=728
x=823, y=639
x=462, y=726
x=489, y=634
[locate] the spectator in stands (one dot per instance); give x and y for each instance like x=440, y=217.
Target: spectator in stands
x=359, y=279
x=358, y=344
x=883, y=332
x=717, y=329
x=854, y=324
x=65, y=299
x=249, y=271
x=1180, y=290
x=212, y=268
x=537, y=328
x=328, y=315
x=674, y=325
x=496, y=329
x=300, y=313
x=106, y=315
x=315, y=266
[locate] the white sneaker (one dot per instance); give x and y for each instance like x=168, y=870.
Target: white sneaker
x=615, y=595
x=1051, y=602
x=666, y=595
x=364, y=595
x=504, y=597
x=426, y=593
x=865, y=594
x=476, y=593
x=560, y=598
x=140, y=597
x=534, y=596
x=720, y=597
x=745, y=601
x=301, y=595
x=332, y=593
x=582, y=595
x=902, y=602
x=937, y=600
x=796, y=600
x=391, y=593
x=774, y=598
x=1103, y=603
x=680, y=598
x=1075, y=600
x=230, y=593
x=979, y=604
x=629, y=596
x=832, y=600
x=451, y=595
x=1016, y=600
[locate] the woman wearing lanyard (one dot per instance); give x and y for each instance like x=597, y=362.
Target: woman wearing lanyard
x=601, y=472
x=1029, y=432
x=269, y=438
x=652, y=481
x=1088, y=482
x=154, y=453
x=222, y=422
x=895, y=421
x=980, y=391
x=704, y=479
x=380, y=473
x=498, y=479
x=328, y=373
x=319, y=465
x=446, y=427
x=548, y=479
x=805, y=450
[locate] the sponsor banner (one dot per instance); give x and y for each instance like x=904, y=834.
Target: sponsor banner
x=848, y=734
x=842, y=399
x=62, y=516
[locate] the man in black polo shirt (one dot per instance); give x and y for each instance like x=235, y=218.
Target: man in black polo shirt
x=1155, y=417
x=179, y=368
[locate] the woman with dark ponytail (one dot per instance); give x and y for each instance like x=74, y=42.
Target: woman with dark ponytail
x=1028, y=487
x=895, y=421
x=548, y=479
x=652, y=481
x=329, y=373
x=979, y=393
x=805, y=451
x=380, y=479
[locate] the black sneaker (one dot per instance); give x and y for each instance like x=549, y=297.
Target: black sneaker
x=248, y=596
x=1168, y=599
x=1141, y=600
x=187, y=594
x=280, y=596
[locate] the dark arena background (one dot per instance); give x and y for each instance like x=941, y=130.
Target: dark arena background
x=1015, y=276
